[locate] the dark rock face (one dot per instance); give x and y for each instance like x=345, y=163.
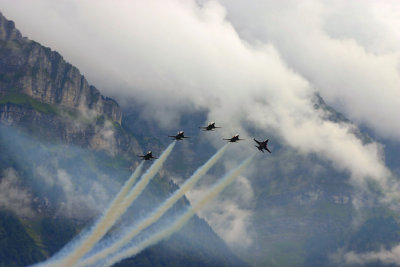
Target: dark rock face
x=8, y=30
x=29, y=68
x=39, y=89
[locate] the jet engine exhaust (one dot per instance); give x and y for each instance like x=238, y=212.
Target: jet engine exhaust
x=101, y=225
x=119, y=209
x=160, y=211
x=181, y=221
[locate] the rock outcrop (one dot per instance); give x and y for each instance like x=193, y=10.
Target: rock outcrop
x=8, y=30
x=38, y=87
x=30, y=68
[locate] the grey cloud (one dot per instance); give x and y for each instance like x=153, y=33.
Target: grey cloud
x=348, y=50
x=13, y=197
x=371, y=24
x=82, y=200
x=230, y=216
x=104, y=138
x=385, y=256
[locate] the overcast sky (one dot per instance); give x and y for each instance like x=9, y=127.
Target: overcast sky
x=261, y=61
x=254, y=61
x=347, y=50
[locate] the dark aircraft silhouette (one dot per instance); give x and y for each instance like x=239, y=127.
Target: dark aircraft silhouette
x=262, y=145
x=211, y=126
x=234, y=139
x=179, y=136
x=148, y=156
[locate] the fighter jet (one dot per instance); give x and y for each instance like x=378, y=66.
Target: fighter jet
x=179, y=136
x=211, y=126
x=148, y=156
x=234, y=139
x=262, y=145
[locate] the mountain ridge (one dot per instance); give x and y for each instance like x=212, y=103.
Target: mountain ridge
x=38, y=87
x=45, y=101
x=44, y=75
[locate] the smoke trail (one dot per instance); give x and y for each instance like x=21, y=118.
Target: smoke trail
x=161, y=210
x=181, y=221
x=108, y=221
x=101, y=224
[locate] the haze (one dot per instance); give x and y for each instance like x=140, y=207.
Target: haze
x=259, y=62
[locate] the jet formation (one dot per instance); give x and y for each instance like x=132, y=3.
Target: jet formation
x=261, y=145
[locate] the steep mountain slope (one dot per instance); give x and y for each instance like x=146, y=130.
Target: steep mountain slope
x=304, y=212
x=29, y=68
x=39, y=90
x=64, y=154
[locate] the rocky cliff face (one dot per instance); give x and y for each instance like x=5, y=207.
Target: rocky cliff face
x=29, y=68
x=8, y=30
x=38, y=87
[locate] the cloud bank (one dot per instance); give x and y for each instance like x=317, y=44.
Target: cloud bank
x=348, y=50
x=173, y=54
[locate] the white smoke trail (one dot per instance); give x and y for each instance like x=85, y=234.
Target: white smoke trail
x=181, y=221
x=160, y=211
x=100, y=226
x=108, y=221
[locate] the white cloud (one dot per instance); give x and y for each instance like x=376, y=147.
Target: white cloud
x=173, y=54
x=230, y=214
x=104, y=138
x=348, y=50
x=384, y=256
x=82, y=197
x=81, y=201
x=13, y=197
x=230, y=222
